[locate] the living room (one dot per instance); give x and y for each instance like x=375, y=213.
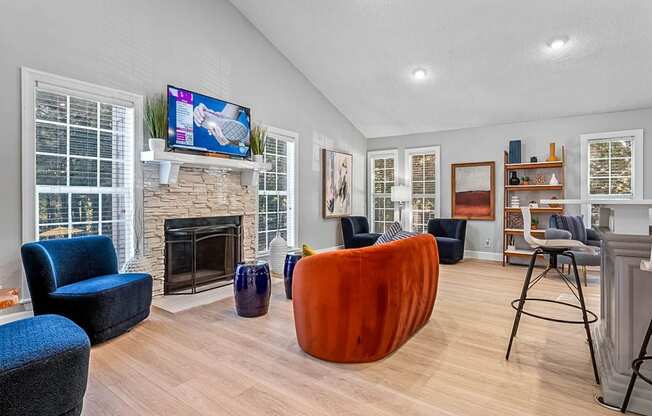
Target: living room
x=240, y=207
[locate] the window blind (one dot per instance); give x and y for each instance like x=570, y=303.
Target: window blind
x=84, y=168
x=423, y=176
x=382, y=180
x=276, y=199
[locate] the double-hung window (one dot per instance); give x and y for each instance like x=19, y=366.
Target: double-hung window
x=611, y=168
x=423, y=174
x=78, y=154
x=382, y=172
x=276, y=190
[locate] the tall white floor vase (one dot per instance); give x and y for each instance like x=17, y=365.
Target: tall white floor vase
x=278, y=249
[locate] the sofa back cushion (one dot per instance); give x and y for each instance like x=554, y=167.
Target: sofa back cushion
x=572, y=223
x=359, y=305
x=60, y=262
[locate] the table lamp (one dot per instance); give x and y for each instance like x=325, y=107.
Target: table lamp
x=400, y=194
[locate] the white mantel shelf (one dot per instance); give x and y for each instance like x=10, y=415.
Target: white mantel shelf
x=170, y=162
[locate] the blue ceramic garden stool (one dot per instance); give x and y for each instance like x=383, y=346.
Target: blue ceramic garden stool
x=290, y=261
x=252, y=288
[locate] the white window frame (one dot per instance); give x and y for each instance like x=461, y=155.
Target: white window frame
x=293, y=197
x=371, y=157
x=30, y=79
x=436, y=150
x=637, y=167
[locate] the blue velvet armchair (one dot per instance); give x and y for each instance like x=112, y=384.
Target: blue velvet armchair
x=78, y=278
x=355, y=232
x=450, y=235
x=43, y=367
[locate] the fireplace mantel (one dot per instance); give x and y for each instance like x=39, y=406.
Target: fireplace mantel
x=170, y=162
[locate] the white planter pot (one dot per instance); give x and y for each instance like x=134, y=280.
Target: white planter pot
x=157, y=145
x=258, y=158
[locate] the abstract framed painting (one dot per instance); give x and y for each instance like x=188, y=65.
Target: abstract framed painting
x=337, y=171
x=474, y=190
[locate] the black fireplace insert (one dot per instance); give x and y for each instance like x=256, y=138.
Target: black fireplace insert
x=201, y=253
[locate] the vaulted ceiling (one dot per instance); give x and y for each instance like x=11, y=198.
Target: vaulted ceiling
x=487, y=62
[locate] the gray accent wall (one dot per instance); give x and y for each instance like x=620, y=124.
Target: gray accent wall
x=488, y=143
x=140, y=46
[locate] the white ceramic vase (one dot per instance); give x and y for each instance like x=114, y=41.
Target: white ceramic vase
x=137, y=264
x=278, y=249
x=157, y=145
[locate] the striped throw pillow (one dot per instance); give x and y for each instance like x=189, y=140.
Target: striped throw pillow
x=390, y=231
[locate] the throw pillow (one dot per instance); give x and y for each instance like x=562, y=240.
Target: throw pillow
x=390, y=231
x=402, y=235
x=308, y=251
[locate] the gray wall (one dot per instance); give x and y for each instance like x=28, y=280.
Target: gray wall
x=140, y=46
x=488, y=143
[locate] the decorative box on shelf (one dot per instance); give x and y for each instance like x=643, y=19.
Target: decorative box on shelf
x=8, y=298
x=170, y=162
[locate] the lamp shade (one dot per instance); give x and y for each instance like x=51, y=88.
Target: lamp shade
x=400, y=193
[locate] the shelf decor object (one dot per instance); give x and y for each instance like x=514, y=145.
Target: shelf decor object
x=514, y=151
x=553, y=153
x=514, y=245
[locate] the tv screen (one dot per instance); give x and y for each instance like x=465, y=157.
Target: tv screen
x=202, y=123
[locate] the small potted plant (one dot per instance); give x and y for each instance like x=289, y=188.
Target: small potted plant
x=525, y=180
x=535, y=223
x=258, y=137
x=156, y=121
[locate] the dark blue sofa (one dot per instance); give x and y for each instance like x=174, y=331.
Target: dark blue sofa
x=450, y=235
x=78, y=278
x=43, y=367
x=355, y=232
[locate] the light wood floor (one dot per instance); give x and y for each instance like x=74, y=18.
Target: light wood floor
x=207, y=361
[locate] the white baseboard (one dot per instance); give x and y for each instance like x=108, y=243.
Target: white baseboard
x=15, y=316
x=482, y=255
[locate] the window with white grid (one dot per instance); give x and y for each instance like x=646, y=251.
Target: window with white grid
x=382, y=174
x=276, y=198
x=83, y=167
x=610, y=163
x=423, y=173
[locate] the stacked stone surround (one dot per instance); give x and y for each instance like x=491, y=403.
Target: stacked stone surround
x=197, y=193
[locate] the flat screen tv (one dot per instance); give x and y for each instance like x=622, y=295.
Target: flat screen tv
x=202, y=123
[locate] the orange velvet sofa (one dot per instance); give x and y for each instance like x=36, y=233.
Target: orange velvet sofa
x=360, y=305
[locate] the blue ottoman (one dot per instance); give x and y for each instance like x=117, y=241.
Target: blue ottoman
x=43, y=367
x=252, y=289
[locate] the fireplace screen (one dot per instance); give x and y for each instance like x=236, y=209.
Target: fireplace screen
x=201, y=253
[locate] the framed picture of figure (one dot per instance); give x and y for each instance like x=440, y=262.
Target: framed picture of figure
x=474, y=193
x=337, y=176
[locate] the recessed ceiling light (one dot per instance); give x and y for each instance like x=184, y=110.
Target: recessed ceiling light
x=419, y=74
x=558, y=43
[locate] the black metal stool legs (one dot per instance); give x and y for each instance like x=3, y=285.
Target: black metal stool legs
x=585, y=318
x=574, y=287
x=636, y=365
x=521, y=301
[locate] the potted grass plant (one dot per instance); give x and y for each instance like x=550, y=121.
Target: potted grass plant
x=258, y=137
x=156, y=121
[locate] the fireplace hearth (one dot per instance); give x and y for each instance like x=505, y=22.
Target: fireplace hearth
x=201, y=253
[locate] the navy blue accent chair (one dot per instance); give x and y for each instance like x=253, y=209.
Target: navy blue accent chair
x=78, y=278
x=355, y=232
x=43, y=367
x=450, y=235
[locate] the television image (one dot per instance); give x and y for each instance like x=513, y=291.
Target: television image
x=202, y=123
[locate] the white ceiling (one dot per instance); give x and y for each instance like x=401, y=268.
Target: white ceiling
x=488, y=61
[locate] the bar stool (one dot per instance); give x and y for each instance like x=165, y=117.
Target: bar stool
x=636, y=366
x=553, y=248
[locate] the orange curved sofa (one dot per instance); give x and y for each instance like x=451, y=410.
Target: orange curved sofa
x=360, y=305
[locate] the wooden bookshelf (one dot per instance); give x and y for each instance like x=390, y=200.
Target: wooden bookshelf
x=513, y=235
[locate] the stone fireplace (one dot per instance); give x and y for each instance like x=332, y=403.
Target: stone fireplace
x=198, y=193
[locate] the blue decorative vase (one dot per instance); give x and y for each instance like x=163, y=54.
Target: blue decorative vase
x=252, y=288
x=290, y=261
